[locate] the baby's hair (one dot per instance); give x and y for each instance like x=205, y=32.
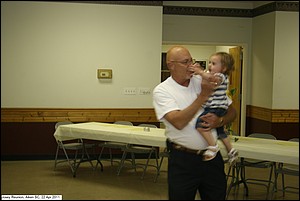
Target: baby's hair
x=227, y=61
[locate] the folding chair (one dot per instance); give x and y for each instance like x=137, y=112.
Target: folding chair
x=113, y=145
x=246, y=162
x=71, y=149
x=286, y=169
x=162, y=155
x=140, y=149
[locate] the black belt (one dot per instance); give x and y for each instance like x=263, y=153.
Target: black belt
x=185, y=149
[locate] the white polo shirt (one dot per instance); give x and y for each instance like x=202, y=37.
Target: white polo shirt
x=169, y=96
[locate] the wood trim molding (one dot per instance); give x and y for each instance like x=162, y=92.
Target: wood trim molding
x=77, y=115
x=129, y=114
x=232, y=12
x=290, y=6
x=274, y=116
x=285, y=116
x=207, y=11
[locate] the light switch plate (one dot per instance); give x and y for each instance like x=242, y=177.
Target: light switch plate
x=104, y=74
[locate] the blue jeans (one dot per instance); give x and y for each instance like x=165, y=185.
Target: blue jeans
x=220, y=112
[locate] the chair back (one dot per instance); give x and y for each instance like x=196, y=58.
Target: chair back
x=263, y=135
x=62, y=123
x=148, y=125
x=294, y=139
x=124, y=123
x=253, y=163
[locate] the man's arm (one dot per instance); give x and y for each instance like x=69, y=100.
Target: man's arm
x=180, y=118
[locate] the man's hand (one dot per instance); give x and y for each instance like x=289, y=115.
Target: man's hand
x=210, y=121
x=214, y=79
x=207, y=88
x=213, y=121
x=206, y=75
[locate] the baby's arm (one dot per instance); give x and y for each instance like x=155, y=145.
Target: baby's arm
x=205, y=74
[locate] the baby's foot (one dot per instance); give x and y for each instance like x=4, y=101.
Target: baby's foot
x=210, y=153
x=233, y=156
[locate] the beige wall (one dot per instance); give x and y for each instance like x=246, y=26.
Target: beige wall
x=286, y=61
x=215, y=31
x=50, y=53
x=275, y=70
x=263, y=61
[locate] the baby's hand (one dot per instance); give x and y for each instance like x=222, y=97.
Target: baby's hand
x=196, y=69
x=214, y=78
x=211, y=77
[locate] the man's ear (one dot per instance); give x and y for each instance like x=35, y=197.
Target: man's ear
x=170, y=65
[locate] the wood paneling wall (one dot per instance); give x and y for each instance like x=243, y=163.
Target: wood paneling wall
x=284, y=124
x=77, y=115
x=133, y=114
x=287, y=116
x=27, y=133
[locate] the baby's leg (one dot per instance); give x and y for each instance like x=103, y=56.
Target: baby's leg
x=212, y=148
x=207, y=135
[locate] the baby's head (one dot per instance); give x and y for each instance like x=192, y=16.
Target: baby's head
x=227, y=61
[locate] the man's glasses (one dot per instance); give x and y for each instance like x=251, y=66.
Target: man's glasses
x=186, y=61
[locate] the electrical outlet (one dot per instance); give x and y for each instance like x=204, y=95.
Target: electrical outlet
x=129, y=91
x=144, y=91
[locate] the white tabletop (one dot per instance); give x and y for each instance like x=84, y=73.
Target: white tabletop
x=256, y=148
x=112, y=132
x=266, y=149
